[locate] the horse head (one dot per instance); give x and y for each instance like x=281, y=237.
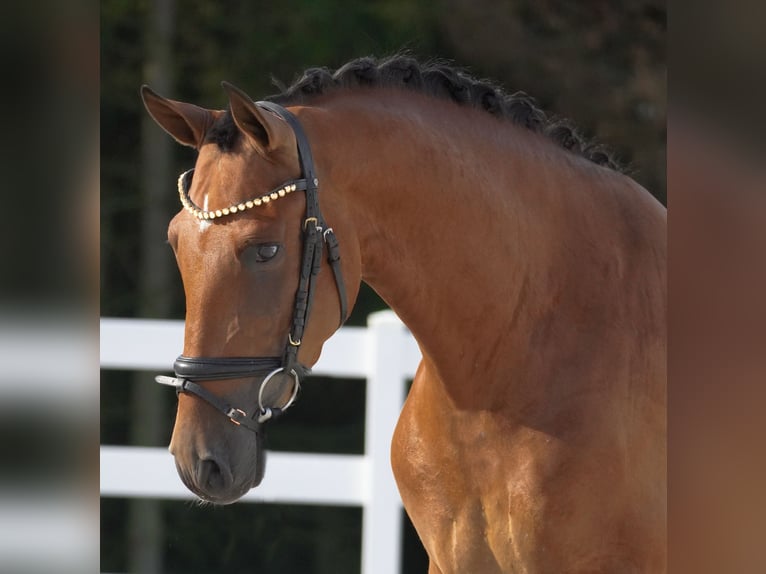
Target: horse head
x=251, y=245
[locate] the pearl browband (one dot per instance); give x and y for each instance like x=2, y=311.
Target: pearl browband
x=199, y=213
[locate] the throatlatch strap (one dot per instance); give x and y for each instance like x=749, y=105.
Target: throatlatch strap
x=333, y=256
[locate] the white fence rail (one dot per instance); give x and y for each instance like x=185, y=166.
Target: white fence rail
x=384, y=353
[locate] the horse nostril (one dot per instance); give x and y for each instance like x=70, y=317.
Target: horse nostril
x=212, y=476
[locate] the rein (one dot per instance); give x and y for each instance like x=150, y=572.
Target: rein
x=316, y=233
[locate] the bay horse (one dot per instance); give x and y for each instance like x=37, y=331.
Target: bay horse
x=529, y=269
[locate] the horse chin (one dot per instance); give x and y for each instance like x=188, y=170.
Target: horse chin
x=221, y=500
x=223, y=477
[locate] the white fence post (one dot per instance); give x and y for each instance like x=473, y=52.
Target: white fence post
x=382, y=522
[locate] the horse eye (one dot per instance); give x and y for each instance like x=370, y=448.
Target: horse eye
x=260, y=253
x=266, y=252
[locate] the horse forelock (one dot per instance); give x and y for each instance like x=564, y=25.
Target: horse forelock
x=223, y=132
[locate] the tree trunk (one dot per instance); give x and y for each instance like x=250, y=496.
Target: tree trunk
x=145, y=528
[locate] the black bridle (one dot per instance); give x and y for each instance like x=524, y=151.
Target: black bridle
x=316, y=234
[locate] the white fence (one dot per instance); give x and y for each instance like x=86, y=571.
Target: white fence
x=384, y=353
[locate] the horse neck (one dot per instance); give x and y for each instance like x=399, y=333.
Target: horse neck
x=459, y=218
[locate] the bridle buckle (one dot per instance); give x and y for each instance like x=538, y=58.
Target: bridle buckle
x=310, y=220
x=235, y=414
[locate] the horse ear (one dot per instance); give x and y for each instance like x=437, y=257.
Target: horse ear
x=187, y=123
x=266, y=130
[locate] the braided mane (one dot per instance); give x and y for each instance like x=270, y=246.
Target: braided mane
x=441, y=80
x=436, y=79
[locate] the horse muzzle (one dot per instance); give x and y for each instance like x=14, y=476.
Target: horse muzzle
x=216, y=474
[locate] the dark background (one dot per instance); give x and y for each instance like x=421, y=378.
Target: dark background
x=600, y=63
